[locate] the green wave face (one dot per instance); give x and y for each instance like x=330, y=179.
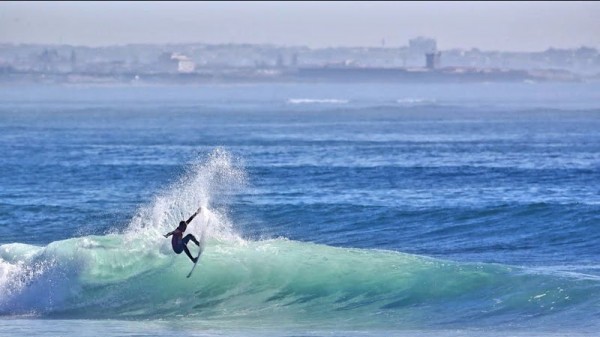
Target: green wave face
x=274, y=282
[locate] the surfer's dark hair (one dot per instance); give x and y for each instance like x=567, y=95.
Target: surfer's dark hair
x=182, y=224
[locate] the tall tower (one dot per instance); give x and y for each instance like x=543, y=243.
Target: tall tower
x=432, y=60
x=418, y=47
x=73, y=60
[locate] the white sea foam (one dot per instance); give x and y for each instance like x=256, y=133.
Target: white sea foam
x=415, y=101
x=208, y=181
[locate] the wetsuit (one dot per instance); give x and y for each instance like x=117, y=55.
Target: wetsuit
x=178, y=241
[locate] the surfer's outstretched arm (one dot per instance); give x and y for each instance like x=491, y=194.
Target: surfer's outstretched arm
x=193, y=216
x=168, y=234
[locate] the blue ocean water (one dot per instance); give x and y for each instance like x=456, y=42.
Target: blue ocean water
x=329, y=209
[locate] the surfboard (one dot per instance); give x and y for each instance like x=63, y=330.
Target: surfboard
x=197, y=259
x=201, y=247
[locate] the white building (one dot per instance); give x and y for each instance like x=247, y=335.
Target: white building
x=184, y=64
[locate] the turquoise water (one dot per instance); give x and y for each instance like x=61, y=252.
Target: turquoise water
x=329, y=209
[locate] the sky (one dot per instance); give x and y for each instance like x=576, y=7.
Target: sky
x=506, y=26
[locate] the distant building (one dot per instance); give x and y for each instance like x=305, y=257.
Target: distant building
x=176, y=62
x=48, y=59
x=422, y=45
x=73, y=60
x=185, y=64
x=418, y=47
x=432, y=60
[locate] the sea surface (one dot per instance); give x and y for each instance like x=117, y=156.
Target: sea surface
x=328, y=209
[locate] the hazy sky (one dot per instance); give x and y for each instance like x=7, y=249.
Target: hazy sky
x=516, y=26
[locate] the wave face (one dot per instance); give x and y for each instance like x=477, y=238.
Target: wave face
x=280, y=281
x=133, y=274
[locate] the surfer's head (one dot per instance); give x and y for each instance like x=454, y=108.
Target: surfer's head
x=182, y=225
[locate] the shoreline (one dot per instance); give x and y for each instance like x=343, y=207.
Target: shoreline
x=302, y=75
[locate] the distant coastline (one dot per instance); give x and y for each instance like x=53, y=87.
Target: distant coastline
x=420, y=61
x=308, y=74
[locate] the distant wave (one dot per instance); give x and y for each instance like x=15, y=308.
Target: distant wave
x=317, y=101
x=415, y=101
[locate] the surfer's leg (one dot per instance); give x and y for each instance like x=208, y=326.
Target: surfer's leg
x=190, y=237
x=187, y=252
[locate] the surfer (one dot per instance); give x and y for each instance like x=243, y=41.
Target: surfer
x=179, y=242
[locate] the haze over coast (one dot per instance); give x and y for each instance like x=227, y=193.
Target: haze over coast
x=180, y=42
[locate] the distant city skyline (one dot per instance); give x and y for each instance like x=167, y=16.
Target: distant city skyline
x=506, y=26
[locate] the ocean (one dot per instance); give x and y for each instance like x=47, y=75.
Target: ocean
x=329, y=209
